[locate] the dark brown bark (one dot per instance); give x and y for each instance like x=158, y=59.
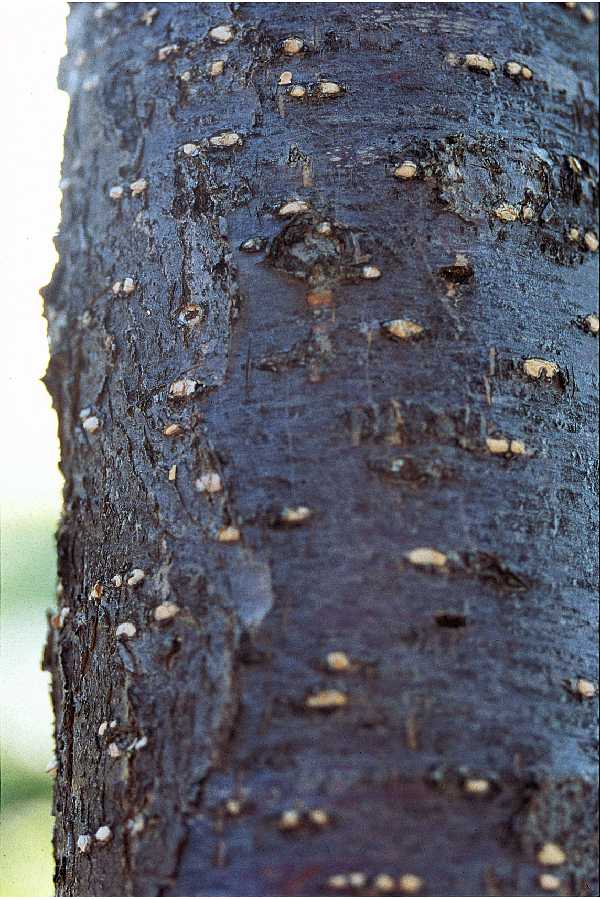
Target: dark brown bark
x=458, y=672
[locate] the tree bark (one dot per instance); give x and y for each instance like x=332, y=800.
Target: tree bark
x=320, y=441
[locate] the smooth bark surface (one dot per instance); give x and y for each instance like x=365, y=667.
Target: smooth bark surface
x=459, y=740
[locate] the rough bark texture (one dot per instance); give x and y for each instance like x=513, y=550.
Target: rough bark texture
x=466, y=670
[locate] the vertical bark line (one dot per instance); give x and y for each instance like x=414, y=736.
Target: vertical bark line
x=324, y=358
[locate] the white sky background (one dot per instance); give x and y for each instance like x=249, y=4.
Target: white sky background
x=33, y=114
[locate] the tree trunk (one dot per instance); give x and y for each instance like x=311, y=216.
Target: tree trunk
x=324, y=360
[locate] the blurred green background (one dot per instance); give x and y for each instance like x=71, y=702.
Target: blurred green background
x=33, y=113
x=28, y=579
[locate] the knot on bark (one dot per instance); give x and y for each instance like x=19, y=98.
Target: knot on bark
x=319, y=250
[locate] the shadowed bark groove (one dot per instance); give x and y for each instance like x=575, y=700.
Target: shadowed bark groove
x=325, y=372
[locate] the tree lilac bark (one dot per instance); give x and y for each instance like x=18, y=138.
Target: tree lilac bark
x=323, y=351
